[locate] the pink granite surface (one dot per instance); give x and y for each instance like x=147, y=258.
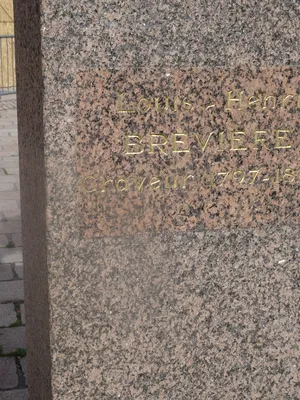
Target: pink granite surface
x=210, y=314
x=180, y=150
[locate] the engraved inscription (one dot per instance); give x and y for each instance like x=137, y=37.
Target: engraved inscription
x=183, y=150
x=183, y=142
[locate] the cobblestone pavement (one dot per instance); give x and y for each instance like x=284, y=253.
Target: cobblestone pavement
x=13, y=374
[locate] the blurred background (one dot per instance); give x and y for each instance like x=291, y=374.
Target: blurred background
x=7, y=48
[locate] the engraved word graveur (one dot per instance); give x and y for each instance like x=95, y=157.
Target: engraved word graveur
x=187, y=150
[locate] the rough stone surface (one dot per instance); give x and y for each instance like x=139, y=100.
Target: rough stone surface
x=11, y=291
x=17, y=239
x=3, y=239
x=7, y=314
x=12, y=338
x=8, y=373
x=19, y=269
x=6, y=273
x=11, y=255
x=23, y=362
x=14, y=395
x=22, y=313
x=193, y=315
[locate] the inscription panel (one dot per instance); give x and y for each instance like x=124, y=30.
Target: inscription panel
x=183, y=150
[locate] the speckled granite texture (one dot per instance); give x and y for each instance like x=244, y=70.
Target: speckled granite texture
x=182, y=150
x=206, y=315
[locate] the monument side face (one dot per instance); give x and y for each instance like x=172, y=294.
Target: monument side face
x=33, y=196
x=163, y=140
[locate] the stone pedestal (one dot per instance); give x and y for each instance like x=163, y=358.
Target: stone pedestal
x=160, y=178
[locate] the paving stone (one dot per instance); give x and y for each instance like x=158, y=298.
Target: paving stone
x=23, y=362
x=14, y=395
x=7, y=315
x=8, y=179
x=11, y=291
x=9, y=158
x=10, y=146
x=10, y=255
x=14, y=132
x=12, y=338
x=7, y=132
x=10, y=226
x=19, y=270
x=11, y=170
x=17, y=239
x=22, y=306
x=3, y=239
x=8, y=205
x=12, y=163
x=2, y=216
x=8, y=149
x=8, y=373
x=10, y=195
x=9, y=152
x=7, y=186
x=4, y=140
x=8, y=139
x=14, y=215
x=6, y=272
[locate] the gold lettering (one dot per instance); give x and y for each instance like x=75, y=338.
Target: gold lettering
x=260, y=140
x=221, y=136
x=167, y=105
x=185, y=179
x=203, y=146
x=176, y=101
x=158, y=108
x=234, y=139
x=140, y=186
x=266, y=99
x=85, y=184
x=104, y=185
x=288, y=175
x=155, y=183
x=286, y=100
x=120, y=104
x=187, y=105
x=147, y=105
x=158, y=145
x=239, y=176
x=224, y=175
x=210, y=106
x=252, y=101
x=234, y=100
x=280, y=138
x=128, y=145
x=176, y=142
x=254, y=173
x=123, y=187
x=167, y=184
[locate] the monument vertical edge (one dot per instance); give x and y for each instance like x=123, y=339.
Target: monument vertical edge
x=33, y=194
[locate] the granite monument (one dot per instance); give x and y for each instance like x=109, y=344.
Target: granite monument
x=160, y=180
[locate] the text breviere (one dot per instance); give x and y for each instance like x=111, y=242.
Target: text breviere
x=232, y=141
